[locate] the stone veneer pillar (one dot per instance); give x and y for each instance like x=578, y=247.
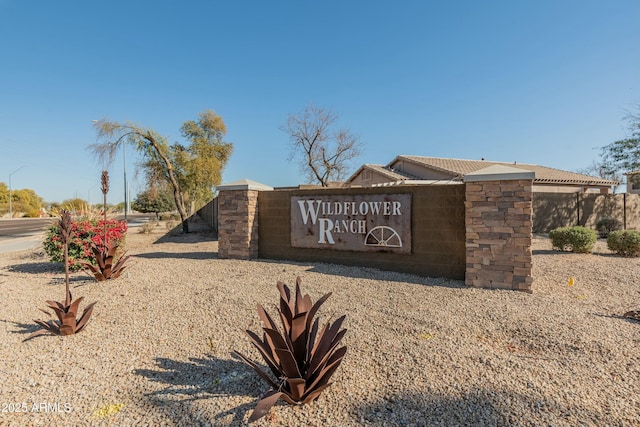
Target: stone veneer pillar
x=499, y=222
x=238, y=219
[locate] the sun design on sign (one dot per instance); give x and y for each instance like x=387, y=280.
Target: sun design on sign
x=383, y=236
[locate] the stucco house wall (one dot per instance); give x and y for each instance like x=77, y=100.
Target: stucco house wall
x=418, y=170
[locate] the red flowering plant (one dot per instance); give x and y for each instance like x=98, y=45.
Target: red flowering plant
x=107, y=265
x=84, y=233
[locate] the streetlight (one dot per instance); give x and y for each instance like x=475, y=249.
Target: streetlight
x=126, y=199
x=10, y=202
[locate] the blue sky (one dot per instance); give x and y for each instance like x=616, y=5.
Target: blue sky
x=543, y=82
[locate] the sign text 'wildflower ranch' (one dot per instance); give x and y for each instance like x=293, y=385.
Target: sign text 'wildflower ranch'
x=361, y=222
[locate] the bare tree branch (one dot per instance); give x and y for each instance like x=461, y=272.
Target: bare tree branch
x=325, y=154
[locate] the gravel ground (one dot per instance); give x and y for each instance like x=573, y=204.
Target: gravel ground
x=421, y=351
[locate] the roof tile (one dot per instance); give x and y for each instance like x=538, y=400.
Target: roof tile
x=543, y=174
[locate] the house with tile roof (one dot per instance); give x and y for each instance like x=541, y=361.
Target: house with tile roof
x=633, y=182
x=435, y=170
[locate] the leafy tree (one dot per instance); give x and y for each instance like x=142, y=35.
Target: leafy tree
x=154, y=200
x=4, y=196
x=624, y=155
x=208, y=155
x=25, y=201
x=176, y=164
x=324, y=151
x=198, y=166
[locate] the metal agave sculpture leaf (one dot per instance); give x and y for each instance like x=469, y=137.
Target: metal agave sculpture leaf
x=105, y=269
x=67, y=323
x=66, y=311
x=301, y=358
x=633, y=314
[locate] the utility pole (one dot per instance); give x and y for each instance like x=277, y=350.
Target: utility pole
x=10, y=192
x=126, y=195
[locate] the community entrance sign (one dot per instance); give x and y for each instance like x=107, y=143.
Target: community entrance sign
x=360, y=222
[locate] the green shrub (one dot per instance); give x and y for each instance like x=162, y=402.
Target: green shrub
x=83, y=233
x=573, y=239
x=146, y=228
x=558, y=238
x=625, y=243
x=606, y=225
x=32, y=213
x=582, y=239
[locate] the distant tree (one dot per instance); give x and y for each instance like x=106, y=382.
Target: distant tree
x=624, y=155
x=598, y=169
x=74, y=205
x=324, y=151
x=4, y=197
x=117, y=207
x=154, y=200
x=27, y=201
x=53, y=207
x=178, y=165
x=24, y=201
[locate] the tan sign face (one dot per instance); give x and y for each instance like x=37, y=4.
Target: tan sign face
x=362, y=222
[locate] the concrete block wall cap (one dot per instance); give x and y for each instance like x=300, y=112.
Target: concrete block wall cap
x=244, y=184
x=499, y=173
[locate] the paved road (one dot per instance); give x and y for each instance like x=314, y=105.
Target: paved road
x=20, y=234
x=23, y=227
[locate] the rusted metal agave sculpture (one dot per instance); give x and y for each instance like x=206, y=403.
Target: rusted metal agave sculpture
x=104, y=268
x=301, y=358
x=67, y=312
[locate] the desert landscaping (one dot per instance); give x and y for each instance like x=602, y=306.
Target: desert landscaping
x=420, y=351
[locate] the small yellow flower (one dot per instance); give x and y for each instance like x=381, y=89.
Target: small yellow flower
x=108, y=410
x=427, y=336
x=572, y=281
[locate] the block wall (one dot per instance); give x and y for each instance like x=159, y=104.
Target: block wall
x=553, y=210
x=238, y=224
x=498, y=220
x=437, y=226
x=479, y=231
